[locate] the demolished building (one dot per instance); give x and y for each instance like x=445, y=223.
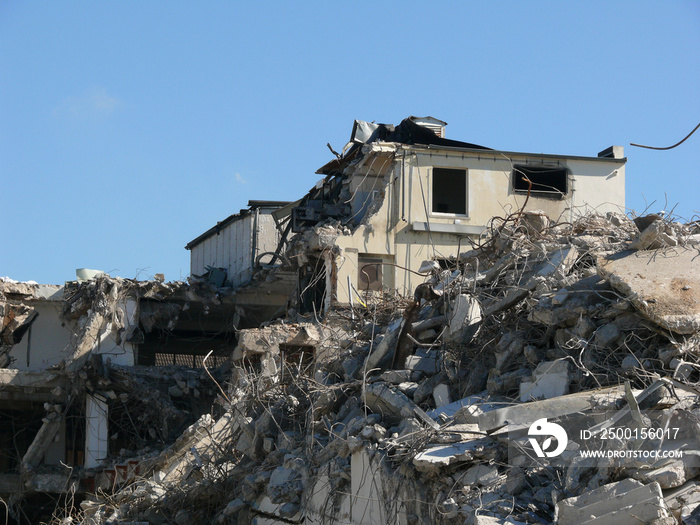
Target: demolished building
x=374, y=406
x=398, y=195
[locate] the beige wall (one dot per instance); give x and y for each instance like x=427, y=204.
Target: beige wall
x=594, y=185
x=50, y=340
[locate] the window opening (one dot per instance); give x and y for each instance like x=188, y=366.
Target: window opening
x=449, y=191
x=544, y=179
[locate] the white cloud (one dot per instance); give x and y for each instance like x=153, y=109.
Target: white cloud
x=95, y=102
x=239, y=178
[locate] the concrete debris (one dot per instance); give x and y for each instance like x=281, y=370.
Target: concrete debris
x=550, y=379
x=664, y=285
x=155, y=402
x=618, y=503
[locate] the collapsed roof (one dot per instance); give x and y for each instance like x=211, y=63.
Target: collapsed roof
x=408, y=132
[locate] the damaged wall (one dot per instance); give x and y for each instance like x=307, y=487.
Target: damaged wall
x=236, y=242
x=52, y=336
x=395, y=183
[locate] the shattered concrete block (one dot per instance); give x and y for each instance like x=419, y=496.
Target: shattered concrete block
x=409, y=430
x=664, y=285
x=568, y=341
x=533, y=355
x=469, y=407
x=509, y=346
x=395, y=376
x=441, y=394
x=684, y=501
x=536, y=220
x=429, y=267
x=50, y=426
x=464, y=319
x=672, y=474
x=15, y=320
x=437, y=457
x=653, y=237
x=621, y=503
x=426, y=387
x=480, y=475
x=429, y=364
x=409, y=388
x=427, y=336
x=267, y=507
x=606, y=335
x=560, y=262
x=550, y=379
x=560, y=297
x=630, y=362
x=681, y=369
x=584, y=327
x=387, y=344
x=549, y=408
x=381, y=399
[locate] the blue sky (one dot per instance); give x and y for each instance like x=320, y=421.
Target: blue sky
x=129, y=128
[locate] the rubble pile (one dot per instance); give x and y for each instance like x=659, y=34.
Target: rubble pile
x=425, y=409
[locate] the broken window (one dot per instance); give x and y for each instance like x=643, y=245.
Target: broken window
x=369, y=274
x=547, y=180
x=449, y=191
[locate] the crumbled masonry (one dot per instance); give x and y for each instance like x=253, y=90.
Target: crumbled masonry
x=312, y=419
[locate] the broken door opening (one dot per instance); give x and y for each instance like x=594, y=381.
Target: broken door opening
x=312, y=286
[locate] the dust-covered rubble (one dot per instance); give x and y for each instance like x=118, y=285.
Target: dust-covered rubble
x=475, y=401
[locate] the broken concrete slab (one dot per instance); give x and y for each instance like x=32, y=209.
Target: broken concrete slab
x=684, y=501
x=480, y=475
x=268, y=339
x=424, y=361
x=434, y=458
x=50, y=426
x=623, y=502
x=441, y=394
x=381, y=399
x=473, y=405
x=550, y=379
x=464, y=319
x=549, y=408
x=664, y=285
x=656, y=235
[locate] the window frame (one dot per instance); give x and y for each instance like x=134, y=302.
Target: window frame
x=554, y=193
x=378, y=284
x=436, y=213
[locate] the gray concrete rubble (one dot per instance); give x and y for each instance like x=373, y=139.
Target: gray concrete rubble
x=664, y=285
x=421, y=409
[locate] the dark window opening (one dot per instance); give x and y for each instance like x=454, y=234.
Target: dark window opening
x=449, y=191
x=544, y=180
x=184, y=348
x=369, y=274
x=19, y=424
